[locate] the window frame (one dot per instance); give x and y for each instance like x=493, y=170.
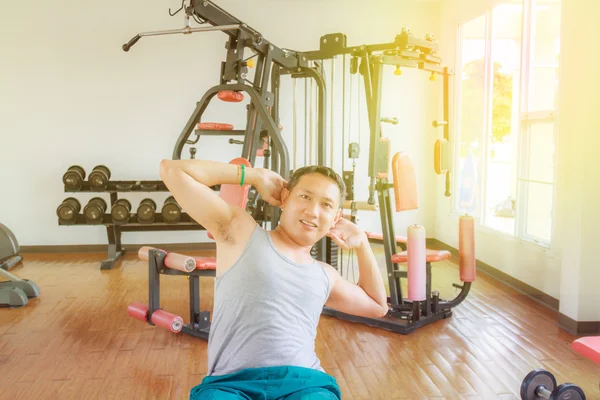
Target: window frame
x=525, y=120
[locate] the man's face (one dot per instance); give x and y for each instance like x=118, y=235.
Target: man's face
x=310, y=209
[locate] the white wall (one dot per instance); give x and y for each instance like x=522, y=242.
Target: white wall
x=70, y=95
x=568, y=270
x=578, y=219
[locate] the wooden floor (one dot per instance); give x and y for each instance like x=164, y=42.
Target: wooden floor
x=77, y=342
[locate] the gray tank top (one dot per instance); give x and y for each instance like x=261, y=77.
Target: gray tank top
x=266, y=310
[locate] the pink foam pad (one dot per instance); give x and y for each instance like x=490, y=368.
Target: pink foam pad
x=214, y=126
x=405, y=183
x=172, y=260
x=144, y=252
x=588, y=347
x=417, y=268
x=206, y=263
x=379, y=236
x=235, y=194
x=430, y=256
x=230, y=96
x=466, y=248
x=261, y=152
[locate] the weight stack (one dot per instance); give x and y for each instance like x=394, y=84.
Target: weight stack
x=315, y=252
x=330, y=255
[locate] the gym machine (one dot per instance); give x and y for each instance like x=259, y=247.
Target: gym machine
x=9, y=249
x=262, y=133
x=262, y=138
x=15, y=292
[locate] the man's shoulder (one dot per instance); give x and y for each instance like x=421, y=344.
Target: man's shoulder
x=331, y=272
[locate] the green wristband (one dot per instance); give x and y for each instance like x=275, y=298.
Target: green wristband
x=243, y=174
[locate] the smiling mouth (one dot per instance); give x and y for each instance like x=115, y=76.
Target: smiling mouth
x=308, y=223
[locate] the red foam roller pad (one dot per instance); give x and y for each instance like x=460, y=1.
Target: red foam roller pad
x=206, y=263
x=138, y=311
x=214, y=126
x=230, y=96
x=172, y=260
x=171, y=322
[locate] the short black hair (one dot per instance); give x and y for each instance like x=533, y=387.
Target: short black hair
x=319, y=169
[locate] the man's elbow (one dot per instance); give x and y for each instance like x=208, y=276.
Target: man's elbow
x=166, y=166
x=380, y=311
x=374, y=310
x=383, y=310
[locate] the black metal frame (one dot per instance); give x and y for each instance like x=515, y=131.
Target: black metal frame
x=199, y=321
x=257, y=106
x=368, y=60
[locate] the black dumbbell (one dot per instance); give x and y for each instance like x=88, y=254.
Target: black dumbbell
x=94, y=210
x=120, y=211
x=541, y=384
x=146, y=211
x=171, y=211
x=99, y=177
x=74, y=177
x=67, y=211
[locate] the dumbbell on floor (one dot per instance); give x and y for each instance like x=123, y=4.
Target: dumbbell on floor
x=145, y=211
x=541, y=384
x=120, y=211
x=74, y=177
x=99, y=177
x=67, y=211
x=94, y=210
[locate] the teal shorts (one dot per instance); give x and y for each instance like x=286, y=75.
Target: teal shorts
x=270, y=383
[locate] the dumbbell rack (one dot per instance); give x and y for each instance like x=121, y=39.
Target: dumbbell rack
x=114, y=230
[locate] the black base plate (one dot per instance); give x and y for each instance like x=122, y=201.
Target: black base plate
x=391, y=322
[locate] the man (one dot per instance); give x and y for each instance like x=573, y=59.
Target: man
x=269, y=291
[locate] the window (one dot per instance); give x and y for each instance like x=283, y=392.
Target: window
x=539, y=109
x=505, y=124
x=471, y=122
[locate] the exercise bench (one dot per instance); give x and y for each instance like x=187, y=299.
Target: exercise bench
x=163, y=262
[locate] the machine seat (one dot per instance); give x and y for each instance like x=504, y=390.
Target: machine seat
x=431, y=256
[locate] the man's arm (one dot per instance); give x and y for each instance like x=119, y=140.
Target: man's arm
x=190, y=183
x=368, y=297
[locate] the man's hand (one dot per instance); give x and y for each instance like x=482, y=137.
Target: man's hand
x=368, y=297
x=347, y=235
x=269, y=185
